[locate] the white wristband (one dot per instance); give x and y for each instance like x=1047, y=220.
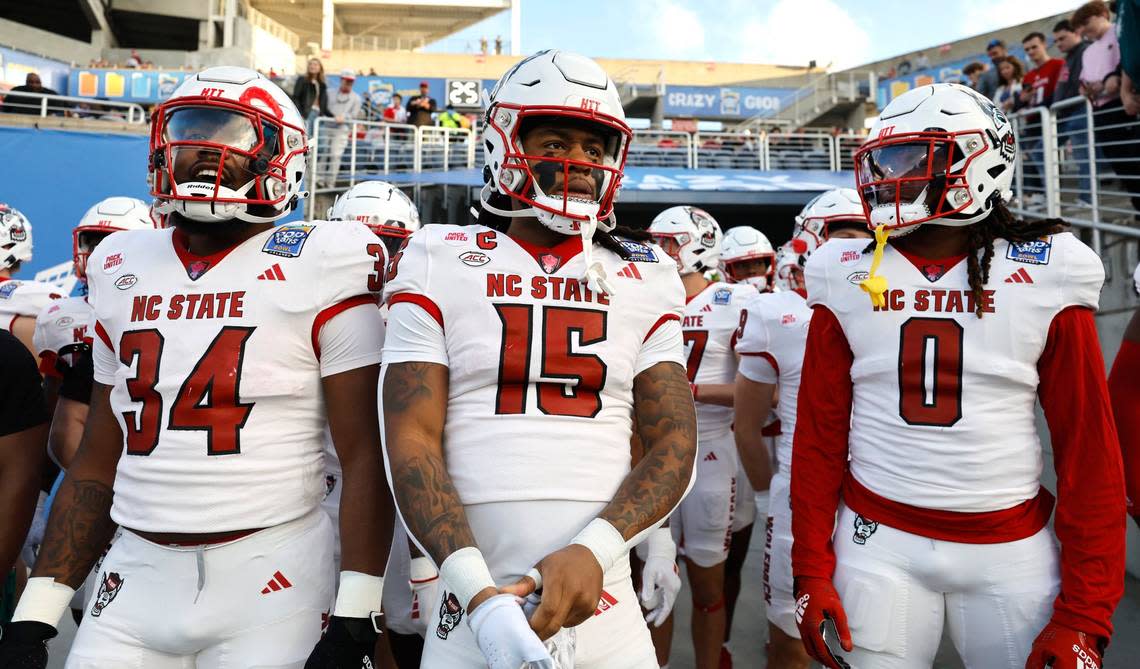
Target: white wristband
x=465, y=573
x=359, y=595
x=44, y=600
x=604, y=541
x=421, y=570
x=660, y=544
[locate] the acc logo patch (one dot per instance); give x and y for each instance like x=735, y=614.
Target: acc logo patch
x=1036, y=252
x=7, y=288
x=287, y=240
x=126, y=281
x=857, y=277
x=474, y=258
x=722, y=296
x=638, y=252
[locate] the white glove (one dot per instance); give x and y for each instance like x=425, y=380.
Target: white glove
x=563, y=644
x=425, y=588
x=660, y=582
x=504, y=636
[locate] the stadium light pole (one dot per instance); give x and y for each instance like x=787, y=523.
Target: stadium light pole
x=516, y=27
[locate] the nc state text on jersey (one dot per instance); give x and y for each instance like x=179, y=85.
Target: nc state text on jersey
x=543, y=287
x=189, y=306
x=940, y=300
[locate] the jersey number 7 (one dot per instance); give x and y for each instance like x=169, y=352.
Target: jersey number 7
x=207, y=400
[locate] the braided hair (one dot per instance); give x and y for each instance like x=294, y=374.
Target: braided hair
x=1000, y=223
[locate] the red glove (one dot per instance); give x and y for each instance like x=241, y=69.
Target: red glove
x=1063, y=647
x=817, y=602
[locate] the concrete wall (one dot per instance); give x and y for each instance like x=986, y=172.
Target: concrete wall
x=47, y=44
x=411, y=64
x=187, y=9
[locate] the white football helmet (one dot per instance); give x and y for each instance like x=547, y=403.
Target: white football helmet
x=790, y=260
x=941, y=153
x=385, y=209
x=228, y=144
x=690, y=236
x=577, y=91
x=15, y=237
x=840, y=205
x=746, y=256
x=104, y=217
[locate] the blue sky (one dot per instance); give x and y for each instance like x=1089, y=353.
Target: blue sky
x=841, y=32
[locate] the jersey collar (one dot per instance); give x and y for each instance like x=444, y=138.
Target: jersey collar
x=197, y=265
x=551, y=259
x=931, y=270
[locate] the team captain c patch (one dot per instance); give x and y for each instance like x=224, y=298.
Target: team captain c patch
x=287, y=240
x=1034, y=252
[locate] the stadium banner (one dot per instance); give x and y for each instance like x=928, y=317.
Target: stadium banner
x=941, y=73
x=462, y=93
x=721, y=102
x=671, y=179
x=15, y=66
x=126, y=85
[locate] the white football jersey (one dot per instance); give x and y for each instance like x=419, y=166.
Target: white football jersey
x=709, y=326
x=62, y=328
x=216, y=365
x=24, y=298
x=943, y=409
x=774, y=330
x=541, y=367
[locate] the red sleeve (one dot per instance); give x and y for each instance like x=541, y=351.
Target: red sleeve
x=1124, y=387
x=819, y=449
x=1090, y=521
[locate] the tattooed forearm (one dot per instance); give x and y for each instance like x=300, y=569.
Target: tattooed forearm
x=666, y=422
x=79, y=528
x=415, y=407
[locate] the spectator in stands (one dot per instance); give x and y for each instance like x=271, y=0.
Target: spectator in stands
x=1038, y=85
x=921, y=62
x=1010, y=72
x=498, y=45
x=134, y=61
x=311, y=95
x=1072, y=121
x=1128, y=32
x=1116, y=132
x=395, y=111
x=421, y=107
x=372, y=72
x=989, y=82
x=451, y=118
x=344, y=106
x=27, y=104
x=973, y=73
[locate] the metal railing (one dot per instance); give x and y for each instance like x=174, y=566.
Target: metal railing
x=42, y=104
x=661, y=148
x=799, y=151
x=845, y=147
x=728, y=151
x=344, y=153
x=1081, y=164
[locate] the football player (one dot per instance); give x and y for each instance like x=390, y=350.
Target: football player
x=703, y=524
x=62, y=338
x=773, y=332
x=519, y=358
x=222, y=348
x=746, y=256
x=922, y=415
x=409, y=588
x=1125, y=391
x=20, y=301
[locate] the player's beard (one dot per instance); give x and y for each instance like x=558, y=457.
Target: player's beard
x=234, y=227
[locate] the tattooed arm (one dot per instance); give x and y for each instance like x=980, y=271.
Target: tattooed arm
x=415, y=408
x=80, y=525
x=666, y=423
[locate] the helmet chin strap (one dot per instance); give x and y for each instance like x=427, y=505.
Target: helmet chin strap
x=595, y=273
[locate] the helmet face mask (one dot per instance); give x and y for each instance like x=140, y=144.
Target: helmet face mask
x=15, y=237
x=941, y=154
x=225, y=146
x=746, y=256
x=690, y=236
x=551, y=92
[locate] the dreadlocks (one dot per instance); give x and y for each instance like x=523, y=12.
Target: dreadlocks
x=1000, y=223
x=610, y=241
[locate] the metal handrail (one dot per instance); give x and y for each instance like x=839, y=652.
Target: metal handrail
x=134, y=112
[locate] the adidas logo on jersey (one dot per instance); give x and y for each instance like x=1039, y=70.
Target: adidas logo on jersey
x=278, y=582
x=272, y=274
x=711, y=457
x=1020, y=276
x=706, y=308
x=630, y=272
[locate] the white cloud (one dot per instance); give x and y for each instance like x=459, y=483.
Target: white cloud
x=676, y=30
x=980, y=16
x=795, y=32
